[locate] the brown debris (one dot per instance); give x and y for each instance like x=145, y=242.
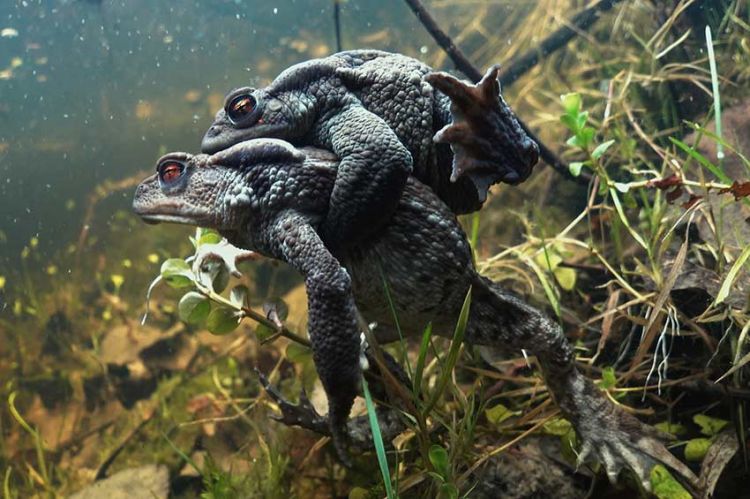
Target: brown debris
x=694, y=198
x=674, y=194
x=738, y=189
x=666, y=182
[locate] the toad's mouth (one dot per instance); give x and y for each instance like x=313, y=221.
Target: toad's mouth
x=173, y=212
x=155, y=218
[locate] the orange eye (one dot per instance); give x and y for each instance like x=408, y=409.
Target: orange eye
x=170, y=171
x=240, y=107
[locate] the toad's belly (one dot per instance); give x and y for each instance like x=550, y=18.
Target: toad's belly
x=425, y=259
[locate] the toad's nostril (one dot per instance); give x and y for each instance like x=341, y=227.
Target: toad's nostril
x=531, y=151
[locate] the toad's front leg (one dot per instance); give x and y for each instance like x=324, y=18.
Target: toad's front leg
x=372, y=174
x=331, y=317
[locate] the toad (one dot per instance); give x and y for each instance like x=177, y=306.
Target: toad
x=267, y=196
x=386, y=116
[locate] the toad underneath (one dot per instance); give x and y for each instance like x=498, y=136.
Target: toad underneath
x=268, y=196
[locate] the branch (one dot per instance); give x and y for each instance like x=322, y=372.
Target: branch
x=580, y=22
x=462, y=62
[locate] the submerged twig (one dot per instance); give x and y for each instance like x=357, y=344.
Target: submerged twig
x=337, y=23
x=441, y=37
x=465, y=66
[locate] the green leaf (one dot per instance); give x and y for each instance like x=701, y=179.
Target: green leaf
x=566, y=278
x=222, y=320
x=557, y=426
x=671, y=428
x=664, y=486
x=609, y=379
x=297, y=353
x=696, y=449
x=548, y=259
x=726, y=286
x=423, y=346
x=573, y=141
x=359, y=493
x=264, y=332
x=176, y=273
x=571, y=103
x=447, y=491
x=238, y=295
x=497, y=414
x=709, y=426
x=209, y=236
x=575, y=167
x=581, y=120
x=378, y=440
x=601, y=149
x=569, y=122
x=549, y=290
x=719, y=140
x=453, y=351
x=624, y=219
x=194, y=307
x=439, y=459
x=220, y=278
x=585, y=137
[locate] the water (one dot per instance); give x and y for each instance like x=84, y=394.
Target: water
x=103, y=87
x=92, y=92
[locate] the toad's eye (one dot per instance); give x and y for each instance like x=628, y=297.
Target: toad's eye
x=169, y=171
x=240, y=107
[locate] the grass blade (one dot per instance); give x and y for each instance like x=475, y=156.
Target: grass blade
x=726, y=286
x=38, y=444
x=6, y=483
x=740, y=363
x=715, y=88
x=392, y=307
x=624, y=219
x=711, y=135
x=377, y=438
x=423, y=347
x=701, y=159
x=549, y=290
x=458, y=339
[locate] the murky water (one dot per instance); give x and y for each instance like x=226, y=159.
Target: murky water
x=92, y=92
x=96, y=90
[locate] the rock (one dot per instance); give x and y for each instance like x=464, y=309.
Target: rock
x=146, y=482
x=526, y=472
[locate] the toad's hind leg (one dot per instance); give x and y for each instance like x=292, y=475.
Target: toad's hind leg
x=617, y=439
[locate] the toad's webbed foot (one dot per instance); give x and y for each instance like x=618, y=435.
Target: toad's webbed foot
x=618, y=440
x=606, y=432
x=488, y=143
x=304, y=415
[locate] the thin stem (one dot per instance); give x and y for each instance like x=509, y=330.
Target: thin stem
x=248, y=312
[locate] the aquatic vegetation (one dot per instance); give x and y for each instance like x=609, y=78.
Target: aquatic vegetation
x=645, y=267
